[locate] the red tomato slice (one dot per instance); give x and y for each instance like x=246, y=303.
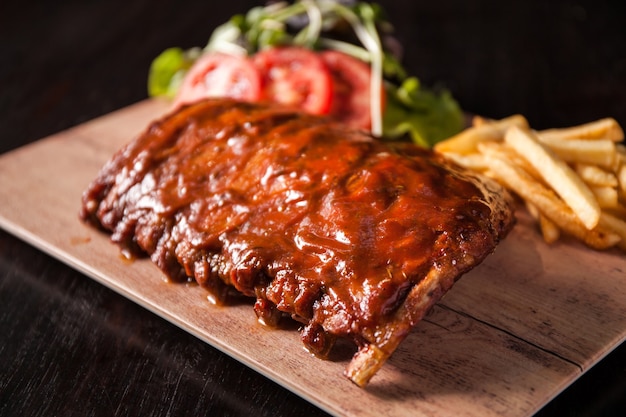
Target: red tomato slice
x=351, y=101
x=220, y=75
x=296, y=77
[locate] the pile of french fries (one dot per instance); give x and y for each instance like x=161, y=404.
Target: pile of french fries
x=572, y=180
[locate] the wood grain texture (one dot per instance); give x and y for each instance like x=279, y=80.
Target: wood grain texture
x=509, y=336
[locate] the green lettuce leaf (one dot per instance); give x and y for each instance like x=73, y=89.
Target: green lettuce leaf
x=168, y=69
x=426, y=116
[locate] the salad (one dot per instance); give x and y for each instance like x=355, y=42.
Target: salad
x=328, y=57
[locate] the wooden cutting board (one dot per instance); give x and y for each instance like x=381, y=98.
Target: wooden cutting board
x=510, y=336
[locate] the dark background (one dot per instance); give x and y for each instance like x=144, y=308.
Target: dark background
x=69, y=346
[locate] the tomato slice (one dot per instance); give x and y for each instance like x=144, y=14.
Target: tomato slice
x=296, y=77
x=351, y=101
x=220, y=75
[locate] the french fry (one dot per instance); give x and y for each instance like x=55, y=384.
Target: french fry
x=620, y=158
x=606, y=128
x=466, y=142
x=557, y=174
x=549, y=204
x=506, y=152
x=598, y=152
x=619, y=211
x=473, y=161
x=480, y=120
x=621, y=178
x=596, y=176
x=532, y=210
x=607, y=197
x=503, y=124
x=616, y=225
x=549, y=230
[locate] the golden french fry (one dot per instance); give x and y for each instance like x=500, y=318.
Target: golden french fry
x=473, y=161
x=513, y=120
x=606, y=128
x=506, y=152
x=532, y=210
x=619, y=211
x=616, y=225
x=621, y=178
x=466, y=141
x=480, y=120
x=557, y=174
x=598, y=152
x=620, y=149
x=620, y=157
x=549, y=230
x=606, y=196
x=595, y=176
x=601, y=238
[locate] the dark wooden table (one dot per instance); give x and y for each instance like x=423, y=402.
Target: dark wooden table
x=69, y=346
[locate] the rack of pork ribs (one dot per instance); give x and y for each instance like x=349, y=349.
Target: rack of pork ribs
x=352, y=236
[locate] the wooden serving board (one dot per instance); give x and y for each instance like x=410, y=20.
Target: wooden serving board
x=510, y=336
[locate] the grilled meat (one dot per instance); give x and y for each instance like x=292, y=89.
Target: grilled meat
x=349, y=235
